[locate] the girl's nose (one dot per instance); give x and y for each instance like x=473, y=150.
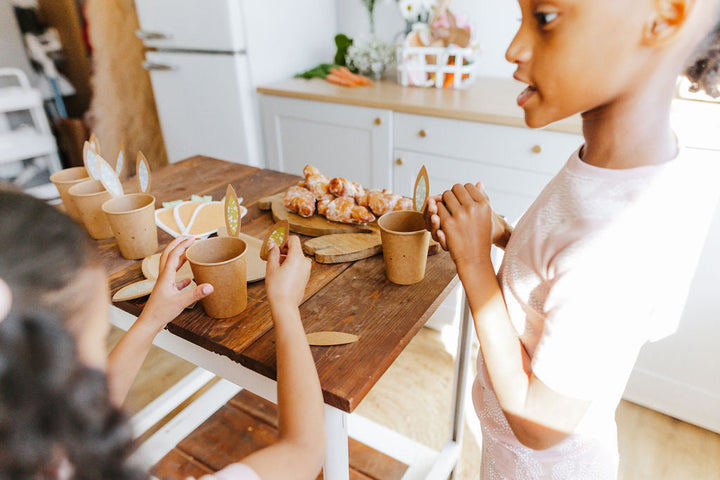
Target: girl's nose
x=519, y=50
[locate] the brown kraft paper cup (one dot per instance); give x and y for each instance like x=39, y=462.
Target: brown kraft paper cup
x=132, y=220
x=405, y=244
x=63, y=180
x=221, y=262
x=89, y=197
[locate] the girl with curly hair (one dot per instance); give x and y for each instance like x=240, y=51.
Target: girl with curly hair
x=603, y=259
x=60, y=392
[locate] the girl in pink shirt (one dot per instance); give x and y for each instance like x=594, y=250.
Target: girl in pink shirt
x=59, y=411
x=603, y=259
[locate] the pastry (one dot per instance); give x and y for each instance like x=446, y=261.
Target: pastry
x=381, y=202
x=343, y=187
x=345, y=210
x=300, y=200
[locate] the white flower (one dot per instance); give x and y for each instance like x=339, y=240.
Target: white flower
x=370, y=55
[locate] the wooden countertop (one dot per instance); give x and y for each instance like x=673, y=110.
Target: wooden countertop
x=488, y=100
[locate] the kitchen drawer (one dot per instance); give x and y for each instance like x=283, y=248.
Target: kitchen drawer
x=205, y=25
x=533, y=150
x=511, y=190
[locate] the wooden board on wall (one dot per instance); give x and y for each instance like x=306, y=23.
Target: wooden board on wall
x=64, y=15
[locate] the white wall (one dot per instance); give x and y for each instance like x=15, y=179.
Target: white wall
x=494, y=23
x=12, y=50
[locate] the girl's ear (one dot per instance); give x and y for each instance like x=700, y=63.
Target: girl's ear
x=668, y=17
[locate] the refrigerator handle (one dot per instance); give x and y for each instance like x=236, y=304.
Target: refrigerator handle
x=157, y=66
x=145, y=35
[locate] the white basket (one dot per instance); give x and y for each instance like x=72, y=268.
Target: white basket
x=429, y=66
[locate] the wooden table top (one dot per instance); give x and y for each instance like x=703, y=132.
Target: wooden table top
x=348, y=297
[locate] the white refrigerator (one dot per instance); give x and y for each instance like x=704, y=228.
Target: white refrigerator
x=207, y=57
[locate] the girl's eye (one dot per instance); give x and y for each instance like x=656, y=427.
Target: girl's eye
x=544, y=18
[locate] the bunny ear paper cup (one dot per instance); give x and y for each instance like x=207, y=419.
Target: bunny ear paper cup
x=420, y=192
x=142, y=168
x=95, y=142
x=120, y=162
x=232, y=212
x=108, y=178
x=278, y=236
x=90, y=156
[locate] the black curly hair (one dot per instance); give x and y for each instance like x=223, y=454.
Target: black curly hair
x=52, y=407
x=703, y=67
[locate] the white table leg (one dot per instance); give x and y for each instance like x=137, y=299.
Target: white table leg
x=462, y=373
x=337, y=463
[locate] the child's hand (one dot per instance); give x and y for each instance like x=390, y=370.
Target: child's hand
x=466, y=219
x=285, y=279
x=166, y=300
x=432, y=220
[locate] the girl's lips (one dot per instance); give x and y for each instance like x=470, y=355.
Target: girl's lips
x=525, y=95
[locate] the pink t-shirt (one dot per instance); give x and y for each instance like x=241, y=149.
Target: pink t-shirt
x=600, y=263
x=234, y=471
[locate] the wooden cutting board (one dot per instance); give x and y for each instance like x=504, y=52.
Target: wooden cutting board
x=335, y=242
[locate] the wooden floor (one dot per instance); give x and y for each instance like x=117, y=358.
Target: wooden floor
x=652, y=445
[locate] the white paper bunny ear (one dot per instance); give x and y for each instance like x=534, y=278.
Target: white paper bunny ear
x=110, y=181
x=95, y=143
x=422, y=187
x=120, y=162
x=90, y=157
x=232, y=212
x=142, y=168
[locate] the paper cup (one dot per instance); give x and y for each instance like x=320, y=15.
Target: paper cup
x=89, y=197
x=132, y=220
x=405, y=244
x=63, y=180
x=221, y=262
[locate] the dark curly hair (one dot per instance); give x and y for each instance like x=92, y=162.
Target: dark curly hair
x=703, y=67
x=52, y=407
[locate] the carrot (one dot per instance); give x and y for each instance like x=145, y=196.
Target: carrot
x=346, y=73
x=449, y=79
x=332, y=78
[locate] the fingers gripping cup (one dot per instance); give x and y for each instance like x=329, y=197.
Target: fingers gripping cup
x=405, y=244
x=132, y=220
x=63, y=180
x=221, y=262
x=89, y=197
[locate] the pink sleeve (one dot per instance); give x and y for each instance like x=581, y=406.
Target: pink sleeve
x=234, y=471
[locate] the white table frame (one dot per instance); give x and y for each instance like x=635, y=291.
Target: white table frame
x=423, y=462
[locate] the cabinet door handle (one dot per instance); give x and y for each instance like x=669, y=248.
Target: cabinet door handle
x=536, y=149
x=378, y=121
x=422, y=133
x=399, y=161
x=145, y=35
x=157, y=66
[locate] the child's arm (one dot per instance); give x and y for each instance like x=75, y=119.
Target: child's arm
x=165, y=303
x=300, y=450
x=538, y=416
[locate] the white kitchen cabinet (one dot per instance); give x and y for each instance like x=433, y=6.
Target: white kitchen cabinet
x=513, y=163
x=340, y=140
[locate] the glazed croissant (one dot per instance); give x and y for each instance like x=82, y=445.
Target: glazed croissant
x=316, y=182
x=343, y=187
x=300, y=200
x=381, y=202
x=345, y=210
